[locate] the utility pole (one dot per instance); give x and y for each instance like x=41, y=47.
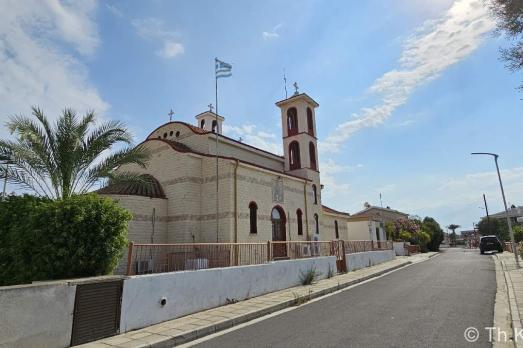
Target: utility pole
x=488, y=217
x=513, y=242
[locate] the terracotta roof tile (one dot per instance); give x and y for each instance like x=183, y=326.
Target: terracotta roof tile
x=332, y=211
x=133, y=189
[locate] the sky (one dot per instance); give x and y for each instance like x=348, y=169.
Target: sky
x=407, y=89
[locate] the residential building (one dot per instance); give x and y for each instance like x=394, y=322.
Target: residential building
x=369, y=223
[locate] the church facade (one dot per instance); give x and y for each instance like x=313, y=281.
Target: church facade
x=261, y=196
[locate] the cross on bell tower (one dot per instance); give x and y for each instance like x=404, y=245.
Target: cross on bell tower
x=296, y=88
x=211, y=107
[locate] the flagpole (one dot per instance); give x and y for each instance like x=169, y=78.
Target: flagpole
x=216, y=136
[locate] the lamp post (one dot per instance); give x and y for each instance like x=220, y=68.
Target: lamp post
x=504, y=203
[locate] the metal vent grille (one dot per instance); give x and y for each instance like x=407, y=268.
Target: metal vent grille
x=96, y=311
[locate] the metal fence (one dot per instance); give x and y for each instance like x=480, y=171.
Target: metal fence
x=507, y=246
x=158, y=258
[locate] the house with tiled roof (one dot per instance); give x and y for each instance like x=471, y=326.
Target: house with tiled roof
x=369, y=223
x=211, y=188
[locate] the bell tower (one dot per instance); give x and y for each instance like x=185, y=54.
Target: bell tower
x=299, y=135
x=209, y=121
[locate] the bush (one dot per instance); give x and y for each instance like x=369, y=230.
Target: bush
x=78, y=236
x=405, y=236
x=309, y=276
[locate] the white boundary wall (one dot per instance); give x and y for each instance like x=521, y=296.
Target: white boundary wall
x=399, y=248
x=368, y=258
x=193, y=291
x=36, y=315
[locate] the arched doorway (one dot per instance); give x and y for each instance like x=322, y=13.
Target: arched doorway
x=278, y=232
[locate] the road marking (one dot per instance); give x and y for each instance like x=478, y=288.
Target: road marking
x=288, y=309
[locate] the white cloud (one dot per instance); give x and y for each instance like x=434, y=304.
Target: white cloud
x=115, y=10
x=334, y=179
x=38, y=63
x=171, y=49
x=268, y=35
x=458, y=199
x=251, y=136
x=154, y=29
x=436, y=46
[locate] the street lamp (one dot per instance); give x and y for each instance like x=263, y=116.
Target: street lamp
x=504, y=202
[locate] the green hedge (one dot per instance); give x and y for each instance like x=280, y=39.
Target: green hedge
x=43, y=239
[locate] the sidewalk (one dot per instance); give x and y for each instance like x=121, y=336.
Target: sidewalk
x=514, y=283
x=191, y=327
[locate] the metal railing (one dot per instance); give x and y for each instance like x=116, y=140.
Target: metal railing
x=159, y=258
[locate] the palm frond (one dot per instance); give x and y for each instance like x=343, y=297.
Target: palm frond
x=55, y=160
x=106, y=169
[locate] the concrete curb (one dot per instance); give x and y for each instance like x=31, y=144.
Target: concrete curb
x=207, y=330
x=512, y=300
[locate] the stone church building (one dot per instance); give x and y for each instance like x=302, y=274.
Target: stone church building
x=261, y=196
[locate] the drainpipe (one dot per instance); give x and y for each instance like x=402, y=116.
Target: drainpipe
x=236, y=201
x=306, y=209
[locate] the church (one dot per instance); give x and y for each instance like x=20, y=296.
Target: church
x=257, y=196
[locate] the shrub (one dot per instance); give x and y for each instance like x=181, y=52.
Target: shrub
x=405, y=236
x=308, y=277
x=78, y=236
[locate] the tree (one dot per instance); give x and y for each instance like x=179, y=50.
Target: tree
x=69, y=157
x=453, y=227
x=452, y=236
x=431, y=226
x=497, y=227
x=509, y=17
x=518, y=233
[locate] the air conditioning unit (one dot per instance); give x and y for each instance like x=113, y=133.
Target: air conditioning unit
x=144, y=266
x=196, y=264
x=316, y=246
x=306, y=250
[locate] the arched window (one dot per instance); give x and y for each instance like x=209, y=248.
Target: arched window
x=299, y=215
x=317, y=223
x=310, y=124
x=214, y=126
x=292, y=121
x=202, y=124
x=165, y=135
x=253, y=218
x=336, y=232
x=312, y=155
x=171, y=133
x=294, y=155
x=315, y=193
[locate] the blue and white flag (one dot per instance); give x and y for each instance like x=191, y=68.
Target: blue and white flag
x=222, y=69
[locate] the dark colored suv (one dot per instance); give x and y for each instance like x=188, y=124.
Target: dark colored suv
x=490, y=243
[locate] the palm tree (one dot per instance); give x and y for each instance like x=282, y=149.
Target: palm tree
x=69, y=157
x=452, y=237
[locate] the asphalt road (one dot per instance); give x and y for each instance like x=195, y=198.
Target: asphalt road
x=429, y=304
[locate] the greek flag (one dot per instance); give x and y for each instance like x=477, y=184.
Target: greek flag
x=222, y=69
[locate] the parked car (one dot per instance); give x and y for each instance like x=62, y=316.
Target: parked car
x=490, y=243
